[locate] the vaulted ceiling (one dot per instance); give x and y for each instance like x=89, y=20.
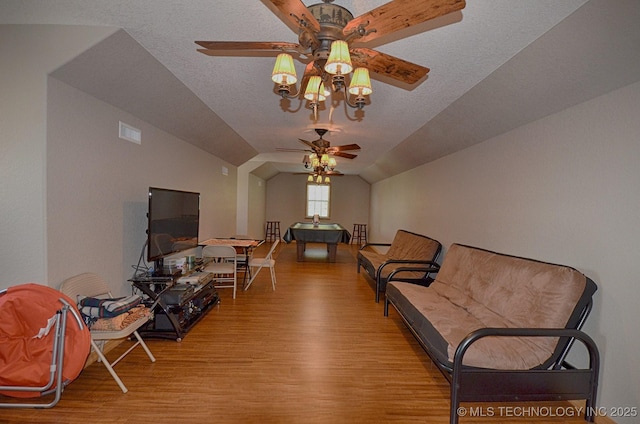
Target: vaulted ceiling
x=495, y=65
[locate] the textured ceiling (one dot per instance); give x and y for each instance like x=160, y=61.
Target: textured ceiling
x=495, y=65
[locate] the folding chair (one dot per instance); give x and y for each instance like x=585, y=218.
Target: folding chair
x=224, y=266
x=256, y=264
x=92, y=285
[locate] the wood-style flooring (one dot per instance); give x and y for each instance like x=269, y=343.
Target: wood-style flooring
x=317, y=350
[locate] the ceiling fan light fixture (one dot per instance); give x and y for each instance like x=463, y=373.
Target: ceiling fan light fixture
x=325, y=31
x=324, y=159
x=315, y=91
x=339, y=62
x=360, y=83
x=324, y=90
x=284, y=73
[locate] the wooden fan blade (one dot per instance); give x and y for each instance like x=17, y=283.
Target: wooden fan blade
x=388, y=65
x=310, y=144
x=335, y=173
x=399, y=14
x=284, y=149
x=214, y=48
x=293, y=10
x=345, y=155
x=344, y=147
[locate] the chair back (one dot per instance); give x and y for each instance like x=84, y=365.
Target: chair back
x=273, y=247
x=86, y=284
x=222, y=252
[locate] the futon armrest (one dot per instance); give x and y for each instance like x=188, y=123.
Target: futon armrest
x=374, y=244
x=427, y=267
x=430, y=267
x=482, y=384
x=573, y=334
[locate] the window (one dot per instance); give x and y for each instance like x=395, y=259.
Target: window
x=318, y=200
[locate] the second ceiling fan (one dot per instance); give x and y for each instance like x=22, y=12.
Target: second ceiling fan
x=322, y=147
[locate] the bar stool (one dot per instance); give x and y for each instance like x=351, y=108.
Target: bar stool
x=359, y=233
x=273, y=231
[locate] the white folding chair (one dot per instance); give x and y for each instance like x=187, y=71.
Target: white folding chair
x=223, y=266
x=256, y=264
x=92, y=285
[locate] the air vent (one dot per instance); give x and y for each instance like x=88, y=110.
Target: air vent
x=129, y=133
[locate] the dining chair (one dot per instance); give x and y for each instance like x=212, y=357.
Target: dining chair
x=223, y=266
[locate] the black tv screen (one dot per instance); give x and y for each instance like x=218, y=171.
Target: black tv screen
x=173, y=220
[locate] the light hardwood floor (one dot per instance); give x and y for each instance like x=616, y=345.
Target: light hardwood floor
x=317, y=350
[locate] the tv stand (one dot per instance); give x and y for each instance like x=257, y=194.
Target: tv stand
x=178, y=307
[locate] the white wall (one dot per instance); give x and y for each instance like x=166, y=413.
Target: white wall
x=27, y=54
x=564, y=189
x=97, y=186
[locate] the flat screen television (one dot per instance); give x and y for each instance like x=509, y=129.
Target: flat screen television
x=173, y=222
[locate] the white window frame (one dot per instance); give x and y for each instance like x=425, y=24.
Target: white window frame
x=318, y=200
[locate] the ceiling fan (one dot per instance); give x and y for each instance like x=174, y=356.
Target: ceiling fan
x=319, y=25
x=321, y=147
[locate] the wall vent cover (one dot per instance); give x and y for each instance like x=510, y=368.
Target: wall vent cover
x=129, y=133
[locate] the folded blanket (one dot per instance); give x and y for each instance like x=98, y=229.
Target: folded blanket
x=92, y=308
x=122, y=320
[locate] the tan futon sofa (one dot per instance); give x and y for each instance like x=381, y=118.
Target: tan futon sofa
x=415, y=253
x=470, y=317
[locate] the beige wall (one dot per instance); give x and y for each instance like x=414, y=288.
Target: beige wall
x=27, y=54
x=257, y=199
x=74, y=195
x=564, y=189
x=97, y=186
x=286, y=196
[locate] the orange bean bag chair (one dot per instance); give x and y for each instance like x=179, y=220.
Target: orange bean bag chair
x=26, y=347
